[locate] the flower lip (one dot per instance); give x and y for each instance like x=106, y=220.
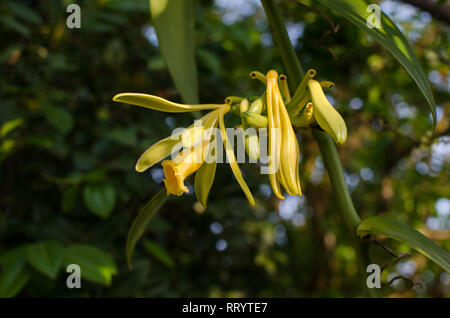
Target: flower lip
x=174, y=180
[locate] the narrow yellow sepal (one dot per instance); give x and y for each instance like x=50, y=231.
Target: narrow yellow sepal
x=160, y=104
x=232, y=159
x=156, y=153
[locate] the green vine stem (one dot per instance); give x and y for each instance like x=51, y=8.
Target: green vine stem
x=287, y=53
x=351, y=218
x=327, y=147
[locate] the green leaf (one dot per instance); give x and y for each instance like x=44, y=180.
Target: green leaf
x=12, y=255
x=141, y=221
x=69, y=198
x=13, y=24
x=95, y=265
x=58, y=117
x=174, y=25
x=159, y=252
x=23, y=12
x=46, y=257
x=404, y=233
x=390, y=37
x=125, y=137
x=13, y=277
x=10, y=126
x=100, y=199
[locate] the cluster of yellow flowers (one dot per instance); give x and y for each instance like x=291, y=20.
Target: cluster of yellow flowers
x=275, y=110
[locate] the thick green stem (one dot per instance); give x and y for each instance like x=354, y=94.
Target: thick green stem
x=293, y=67
x=326, y=144
x=344, y=202
x=337, y=178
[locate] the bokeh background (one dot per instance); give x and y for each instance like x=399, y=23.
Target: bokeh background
x=69, y=192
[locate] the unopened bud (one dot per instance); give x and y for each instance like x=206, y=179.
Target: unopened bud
x=257, y=106
x=244, y=105
x=252, y=146
x=255, y=120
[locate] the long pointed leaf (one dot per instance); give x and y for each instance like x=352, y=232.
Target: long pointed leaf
x=141, y=221
x=390, y=37
x=174, y=25
x=405, y=234
x=47, y=257
x=13, y=277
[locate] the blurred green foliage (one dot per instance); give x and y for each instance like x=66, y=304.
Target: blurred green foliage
x=69, y=191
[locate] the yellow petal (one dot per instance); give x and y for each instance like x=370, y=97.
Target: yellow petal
x=274, y=134
x=232, y=159
x=156, y=153
x=204, y=179
x=192, y=136
x=160, y=104
x=290, y=151
x=166, y=146
x=326, y=115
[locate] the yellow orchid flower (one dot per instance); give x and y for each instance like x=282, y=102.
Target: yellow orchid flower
x=282, y=140
x=193, y=157
x=189, y=160
x=326, y=115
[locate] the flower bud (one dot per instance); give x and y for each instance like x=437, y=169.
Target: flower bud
x=257, y=106
x=255, y=120
x=244, y=105
x=251, y=143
